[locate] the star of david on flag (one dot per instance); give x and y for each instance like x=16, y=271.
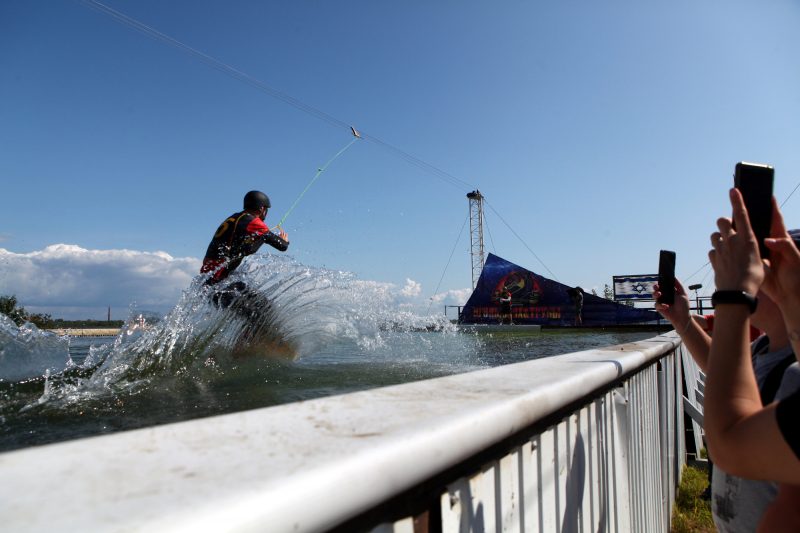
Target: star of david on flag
x=638, y=287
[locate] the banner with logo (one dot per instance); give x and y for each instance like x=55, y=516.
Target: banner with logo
x=539, y=300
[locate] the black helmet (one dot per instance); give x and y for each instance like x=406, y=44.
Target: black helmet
x=256, y=200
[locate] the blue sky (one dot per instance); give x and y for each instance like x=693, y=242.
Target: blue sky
x=601, y=132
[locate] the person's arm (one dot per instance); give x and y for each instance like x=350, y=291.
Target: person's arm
x=702, y=321
x=782, y=281
x=698, y=342
x=260, y=234
x=693, y=336
x=791, y=317
x=743, y=437
x=279, y=242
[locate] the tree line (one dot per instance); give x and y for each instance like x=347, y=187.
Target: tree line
x=11, y=308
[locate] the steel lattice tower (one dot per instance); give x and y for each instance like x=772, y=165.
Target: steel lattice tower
x=476, y=234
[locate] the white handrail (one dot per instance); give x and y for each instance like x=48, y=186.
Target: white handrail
x=306, y=466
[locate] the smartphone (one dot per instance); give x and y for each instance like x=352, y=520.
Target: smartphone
x=666, y=277
x=755, y=183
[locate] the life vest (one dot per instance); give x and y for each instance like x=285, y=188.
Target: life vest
x=236, y=238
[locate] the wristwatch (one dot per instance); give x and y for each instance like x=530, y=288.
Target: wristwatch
x=734, y=297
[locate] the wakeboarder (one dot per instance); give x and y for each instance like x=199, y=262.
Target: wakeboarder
x=240, y=235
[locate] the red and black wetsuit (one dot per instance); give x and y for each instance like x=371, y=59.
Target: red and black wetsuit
x=240, y=235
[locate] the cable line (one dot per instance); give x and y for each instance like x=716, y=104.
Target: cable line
x=486, y=223
x=520, y=239
x=271, y=91
x=790, y=194
x=704, y=279
x=216, y=63
x=698, y=270
x=427, y=167
x=237, y=74
x=436, y=290
x=320, y=170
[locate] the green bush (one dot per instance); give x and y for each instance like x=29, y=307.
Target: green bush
x=692, y=513
x=9, y=307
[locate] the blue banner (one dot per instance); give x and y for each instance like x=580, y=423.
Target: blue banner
x=539, y=300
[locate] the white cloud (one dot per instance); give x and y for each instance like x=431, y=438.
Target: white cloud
x=411, y=289
x=452, y=297
x=68, y=276
x=68, y=281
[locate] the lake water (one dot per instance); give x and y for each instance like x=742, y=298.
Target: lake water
x=347, y=335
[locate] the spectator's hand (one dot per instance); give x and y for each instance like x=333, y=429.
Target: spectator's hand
x=678, y=313
x=782, y=280
x=735, y=257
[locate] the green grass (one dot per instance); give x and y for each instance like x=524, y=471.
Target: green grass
x=692, y=513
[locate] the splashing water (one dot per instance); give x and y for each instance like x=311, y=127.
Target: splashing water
x=309, y=308
x=27, y=352
x=324, y=332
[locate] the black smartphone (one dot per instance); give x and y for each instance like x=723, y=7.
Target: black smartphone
x=755, y=183
x=666, y=277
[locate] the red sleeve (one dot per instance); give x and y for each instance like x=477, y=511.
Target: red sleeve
x=709, y=322
x=257, y=227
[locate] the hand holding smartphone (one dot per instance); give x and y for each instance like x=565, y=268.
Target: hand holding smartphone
x=755, y=182
x=666, y=277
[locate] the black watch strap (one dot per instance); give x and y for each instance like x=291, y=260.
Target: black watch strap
x=734, y=297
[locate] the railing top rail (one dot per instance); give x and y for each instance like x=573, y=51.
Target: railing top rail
x=304, y=466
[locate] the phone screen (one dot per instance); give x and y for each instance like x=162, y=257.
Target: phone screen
x=755, y=183
x=666, y=277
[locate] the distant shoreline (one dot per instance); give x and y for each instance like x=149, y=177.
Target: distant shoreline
x=86, y=332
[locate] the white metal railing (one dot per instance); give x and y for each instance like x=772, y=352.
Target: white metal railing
x=579, y=442
x=611, y=465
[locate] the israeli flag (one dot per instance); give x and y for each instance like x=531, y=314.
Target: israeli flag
x=634, y=287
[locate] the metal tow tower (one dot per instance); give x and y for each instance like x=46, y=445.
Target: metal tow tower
x=476, y=234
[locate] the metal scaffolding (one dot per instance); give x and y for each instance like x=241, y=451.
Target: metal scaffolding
x=476, y=234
